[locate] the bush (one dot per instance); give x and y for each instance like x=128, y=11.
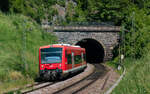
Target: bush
x=15, y=75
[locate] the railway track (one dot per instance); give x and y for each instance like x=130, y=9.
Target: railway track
x=36, y=87
x=75, y=88
x=30, y=87
x=62, y=87
x=40, y=85
x=50, y=89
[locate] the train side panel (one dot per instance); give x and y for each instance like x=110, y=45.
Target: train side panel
x=75, y=59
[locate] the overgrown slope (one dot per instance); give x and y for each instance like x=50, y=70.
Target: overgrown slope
x=137, y=77
x=20, y=38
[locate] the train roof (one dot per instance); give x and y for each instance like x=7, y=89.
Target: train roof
x=60, y=45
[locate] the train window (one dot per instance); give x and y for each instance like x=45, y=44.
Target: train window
x=51, y=55
x=78, y=59
x=69, y=58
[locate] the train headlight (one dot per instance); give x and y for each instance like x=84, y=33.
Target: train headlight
x=42, y=66
x=59, y=65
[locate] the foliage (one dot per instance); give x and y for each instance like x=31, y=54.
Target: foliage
x=4, y=5
x=36, y=9
x=61, y=2
x=137, y=40
x=20, y=39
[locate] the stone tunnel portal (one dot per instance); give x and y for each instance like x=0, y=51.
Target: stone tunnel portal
x=94, y=50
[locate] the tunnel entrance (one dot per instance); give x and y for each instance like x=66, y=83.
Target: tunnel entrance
x=94, y=50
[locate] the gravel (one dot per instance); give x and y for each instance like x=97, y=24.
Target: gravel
x=60, y=85
x=99, y=86
x=102, y=84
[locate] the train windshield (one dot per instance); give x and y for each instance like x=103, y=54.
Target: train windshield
x=51, y=55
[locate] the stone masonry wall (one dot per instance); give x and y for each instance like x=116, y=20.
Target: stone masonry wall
x=107, y=39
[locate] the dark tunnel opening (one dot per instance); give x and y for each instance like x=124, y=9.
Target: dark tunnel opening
x=94, y=50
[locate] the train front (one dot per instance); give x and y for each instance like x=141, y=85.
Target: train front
x=50, y=63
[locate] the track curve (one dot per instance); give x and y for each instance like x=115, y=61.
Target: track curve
x=62, y=84
x=99, y=72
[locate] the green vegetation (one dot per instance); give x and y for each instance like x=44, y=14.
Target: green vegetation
x=36, y=9
x=137, y=78
x=134, y=15
x=20, y=39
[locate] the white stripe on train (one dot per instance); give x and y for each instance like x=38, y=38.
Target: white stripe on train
x=74, y=69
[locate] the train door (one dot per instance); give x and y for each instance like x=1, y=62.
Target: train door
x=69, y=60
x=72, y=54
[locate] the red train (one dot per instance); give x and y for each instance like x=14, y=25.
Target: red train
x=59, y=60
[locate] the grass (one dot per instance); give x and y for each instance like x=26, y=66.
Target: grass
x=20, y=38
x=15, y=84
x=137, y=77
x=114, y=64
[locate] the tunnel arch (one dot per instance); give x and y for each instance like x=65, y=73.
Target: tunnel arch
x=95, y=51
